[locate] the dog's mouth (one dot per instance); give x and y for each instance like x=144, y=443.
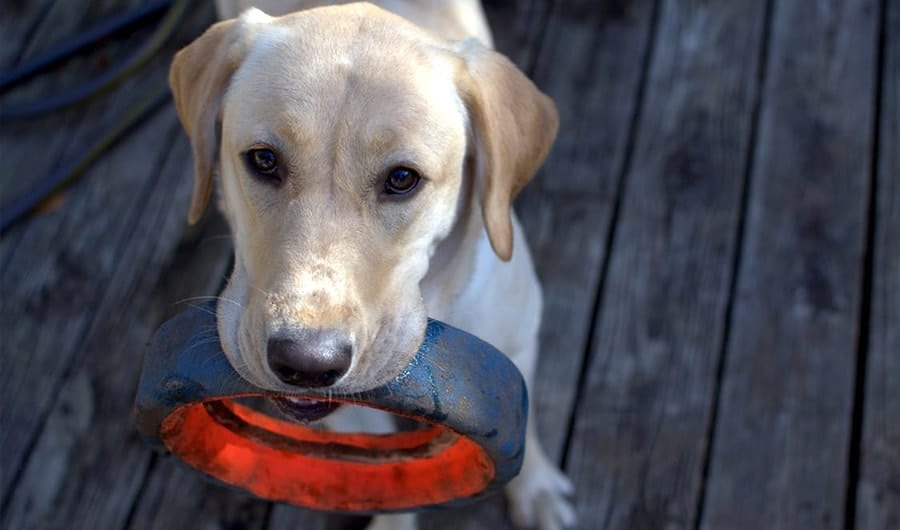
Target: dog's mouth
x=304, y=410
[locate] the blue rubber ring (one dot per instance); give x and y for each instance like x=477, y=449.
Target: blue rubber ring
x=481, y=397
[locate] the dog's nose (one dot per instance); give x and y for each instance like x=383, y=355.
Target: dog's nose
x=313, y=359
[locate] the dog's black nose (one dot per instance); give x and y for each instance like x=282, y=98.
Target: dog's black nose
x=312, y=359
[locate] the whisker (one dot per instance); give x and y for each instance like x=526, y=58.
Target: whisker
x=207, y=297
x=261, y=290
x=207, y=330
x=202, y=308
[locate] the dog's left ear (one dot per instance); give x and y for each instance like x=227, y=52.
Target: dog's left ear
x=514, y=124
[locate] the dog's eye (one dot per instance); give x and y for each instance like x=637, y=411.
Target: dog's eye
x=401, y=180
x=263, y=162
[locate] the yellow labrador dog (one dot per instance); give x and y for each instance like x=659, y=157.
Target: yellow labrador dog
x=367, y=158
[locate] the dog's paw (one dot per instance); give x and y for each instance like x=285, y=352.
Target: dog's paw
x=394, y=521
x=538, y=498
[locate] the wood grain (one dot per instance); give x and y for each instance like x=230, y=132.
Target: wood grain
x=67, y=274
x=516, y=27
x=638, y=443
x=782, y=438
x=55, y=279
x=878, y=490
x=592, y=65
x=88, y=465
x=176, y=496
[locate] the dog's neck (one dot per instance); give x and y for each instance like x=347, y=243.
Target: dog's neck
x=455, y=258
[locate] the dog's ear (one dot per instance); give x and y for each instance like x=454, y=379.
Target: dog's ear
x=199, y=77
x=514, y=125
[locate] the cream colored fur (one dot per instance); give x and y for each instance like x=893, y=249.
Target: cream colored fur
x=342, y=94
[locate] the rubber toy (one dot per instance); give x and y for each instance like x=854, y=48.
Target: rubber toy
x=469, y=397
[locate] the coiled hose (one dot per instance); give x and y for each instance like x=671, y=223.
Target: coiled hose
x=20, y=207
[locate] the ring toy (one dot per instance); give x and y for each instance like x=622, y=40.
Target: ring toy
x=469, y=397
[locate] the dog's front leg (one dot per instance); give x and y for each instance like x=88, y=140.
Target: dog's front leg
x=538, y=496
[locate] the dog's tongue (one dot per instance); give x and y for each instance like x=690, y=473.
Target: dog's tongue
x=304, y=410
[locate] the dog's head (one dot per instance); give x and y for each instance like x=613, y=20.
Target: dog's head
x=343, y=137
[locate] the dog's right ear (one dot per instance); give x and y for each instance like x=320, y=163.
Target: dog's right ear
x=199, y=77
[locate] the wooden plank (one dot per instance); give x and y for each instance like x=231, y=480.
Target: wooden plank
x=177, y=497
x=61, y=299
x=56, y=266
x=88, y=465
x=878, y=490
x=590, y=63
x=637, y=449
x=54, y=278
x=781, y=442
x=90, y=480
x=58, y=137
x=516, y=27
x=286, y=517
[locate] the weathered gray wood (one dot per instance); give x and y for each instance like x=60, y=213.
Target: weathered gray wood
x=88, y=464
x=177, y=498
x=781, y=441
x=54, y=280
x=33, y=148
x=56, y=300
x=590, y=63
x=516, y=27
x=57, y=265
x=878, y=490
x=286, y=517
x=88, y=467
x=638, y=443
x=55, y=22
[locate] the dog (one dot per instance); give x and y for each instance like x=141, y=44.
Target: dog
x=367, y=159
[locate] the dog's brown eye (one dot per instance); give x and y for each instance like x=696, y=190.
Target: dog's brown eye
x=263, y=162
x=400, y=181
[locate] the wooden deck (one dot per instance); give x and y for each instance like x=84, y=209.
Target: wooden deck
x=717, y=230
